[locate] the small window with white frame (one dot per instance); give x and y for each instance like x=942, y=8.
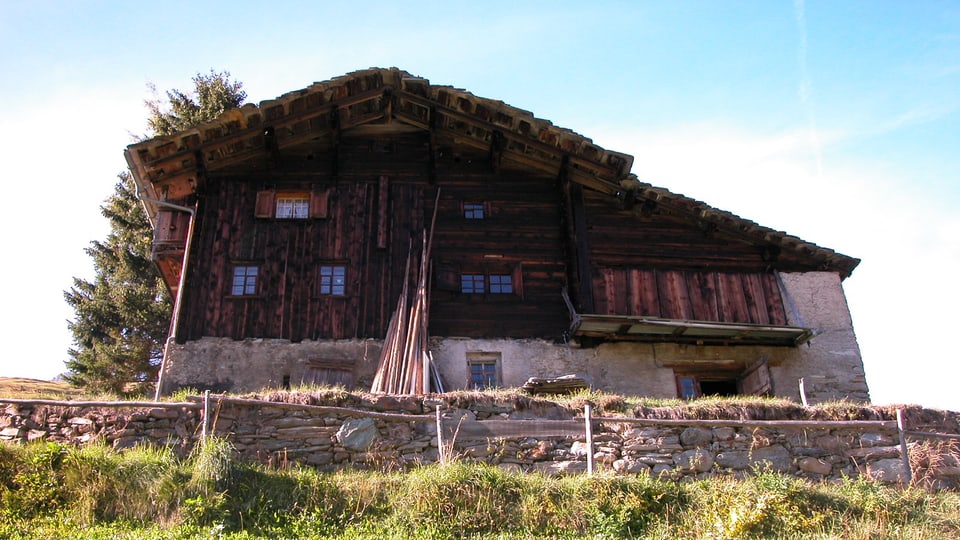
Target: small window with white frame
x=483, y=370
x=293, y=206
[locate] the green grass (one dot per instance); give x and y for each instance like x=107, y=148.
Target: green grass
x=48, y=490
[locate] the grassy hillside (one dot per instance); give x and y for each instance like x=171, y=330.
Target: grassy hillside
x=52, y=491
x=21, y=388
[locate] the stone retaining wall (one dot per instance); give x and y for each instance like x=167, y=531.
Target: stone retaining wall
x=404, y=435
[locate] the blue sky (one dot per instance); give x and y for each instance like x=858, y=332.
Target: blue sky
x=837, y=122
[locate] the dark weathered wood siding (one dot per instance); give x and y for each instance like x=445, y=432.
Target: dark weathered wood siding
x=652, y=263
x=371, y=197
x=520, y=236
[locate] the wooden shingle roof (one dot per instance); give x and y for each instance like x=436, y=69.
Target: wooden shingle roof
x=170, y=167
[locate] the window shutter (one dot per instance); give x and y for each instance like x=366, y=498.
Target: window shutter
x=756, y=379
x=447, y=277
x=266, y=204
x=517, y=277
x=319, y=204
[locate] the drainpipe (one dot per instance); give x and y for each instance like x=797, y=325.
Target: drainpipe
x=175, y=320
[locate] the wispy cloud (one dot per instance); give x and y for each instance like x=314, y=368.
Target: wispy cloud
x=806, y=86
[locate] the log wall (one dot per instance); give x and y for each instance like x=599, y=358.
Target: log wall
x=371, y=197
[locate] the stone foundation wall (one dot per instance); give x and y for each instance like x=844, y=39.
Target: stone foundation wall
x=405, y=435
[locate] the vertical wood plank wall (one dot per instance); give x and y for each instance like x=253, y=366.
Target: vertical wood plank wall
x=379, y=193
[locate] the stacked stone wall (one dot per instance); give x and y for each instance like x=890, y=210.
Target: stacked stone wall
x=388, y=432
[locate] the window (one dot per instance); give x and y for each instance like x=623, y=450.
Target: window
x=472, y=283
x=333, y=280
x=483, y=370
x=312, y=204
x=481, y=283
x=244, y=281
x=293, y=207
x=501, y=283
x=473, y=211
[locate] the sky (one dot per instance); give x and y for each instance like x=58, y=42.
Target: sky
x=838, y=122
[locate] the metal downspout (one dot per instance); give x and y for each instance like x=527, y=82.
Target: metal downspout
x=178, y=301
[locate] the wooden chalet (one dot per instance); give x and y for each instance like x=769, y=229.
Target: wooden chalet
x=284, y=232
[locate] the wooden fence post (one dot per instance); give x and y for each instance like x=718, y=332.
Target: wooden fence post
x=206, y=416
x=440, y=435
x=588, y=423
x=904, y=455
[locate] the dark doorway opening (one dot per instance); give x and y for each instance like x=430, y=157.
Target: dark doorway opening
x=720, y=387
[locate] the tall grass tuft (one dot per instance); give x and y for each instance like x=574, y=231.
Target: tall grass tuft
x=141, y=484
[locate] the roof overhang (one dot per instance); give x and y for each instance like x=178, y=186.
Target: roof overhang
x=390, y=100
x=654, y=329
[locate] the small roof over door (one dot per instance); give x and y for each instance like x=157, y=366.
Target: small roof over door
x=654, y=329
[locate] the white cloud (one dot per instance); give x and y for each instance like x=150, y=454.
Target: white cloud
x=899, y=301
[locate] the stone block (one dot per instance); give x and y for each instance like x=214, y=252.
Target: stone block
x=295, y=422
x=890, y=471
x=126, y=442
x=579, y=448
x=163, y=412
x=698, y=459
x=357, y=434
x=775, y=457
x=661, y=470
x=724, y=433
x=604, y=457
x=875, y=452
x=876, y=439
x=736, y=459
x=947, y=471
x=319, y=458
x=560, y=467
x=696, y=437
x=10, y=433
x=626, y=466
x=814, y=465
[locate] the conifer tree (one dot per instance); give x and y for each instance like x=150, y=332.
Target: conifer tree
x=122, y=316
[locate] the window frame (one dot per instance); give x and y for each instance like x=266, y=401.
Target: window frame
x=497, y=283
x=299, y=206
x=490, y=370
x=250, y=284
x=474, y=211
x=331, y=288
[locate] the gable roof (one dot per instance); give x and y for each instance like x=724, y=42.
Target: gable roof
x=392, y=100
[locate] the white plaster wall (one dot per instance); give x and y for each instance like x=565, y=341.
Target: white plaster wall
x=253, y=364
x=830, y=363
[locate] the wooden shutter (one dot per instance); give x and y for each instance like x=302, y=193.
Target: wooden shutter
x=319, y=203
x=329, y=372
x=517, y=277
x=755, y=380
x=171, y=227
x=266, y=204
x=447, y=277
